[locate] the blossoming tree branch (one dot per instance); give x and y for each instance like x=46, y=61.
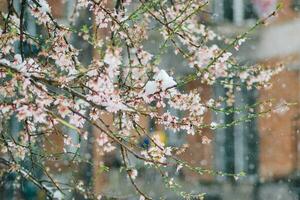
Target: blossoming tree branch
x=46, y=87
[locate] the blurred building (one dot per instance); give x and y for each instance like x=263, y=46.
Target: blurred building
x=267, y=149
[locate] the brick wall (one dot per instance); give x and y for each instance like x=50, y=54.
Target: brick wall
x=277, y=136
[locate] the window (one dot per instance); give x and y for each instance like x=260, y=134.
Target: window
x=296, y=129
x=246, y=134
x=224, y=138
x=296, y=5
x=236, y=11
x=236, y=147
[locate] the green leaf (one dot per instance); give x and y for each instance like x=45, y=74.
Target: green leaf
x=85, y=28
x=279, y=5
x=103, y=168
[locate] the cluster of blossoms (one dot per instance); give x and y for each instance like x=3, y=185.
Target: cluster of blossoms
x=41, y=11
x=52, y=92
x=157, y=153
x=8, y=39
x=257, y=77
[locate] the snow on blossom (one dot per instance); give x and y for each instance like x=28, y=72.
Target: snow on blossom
x=162, y=81
x=150, y=88
x=166, y=80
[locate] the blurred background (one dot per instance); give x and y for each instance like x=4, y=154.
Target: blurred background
x=267, y=149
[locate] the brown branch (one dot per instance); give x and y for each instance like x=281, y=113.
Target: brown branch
x=21, y=28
